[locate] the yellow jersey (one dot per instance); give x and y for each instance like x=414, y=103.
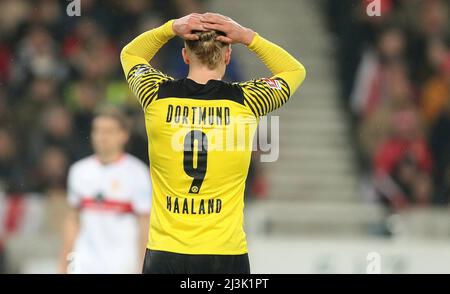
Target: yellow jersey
x=199, y=142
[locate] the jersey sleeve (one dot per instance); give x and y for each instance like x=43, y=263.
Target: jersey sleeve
x=144, y=81
x=142, y=196
x=73, y=196
x=265, y=95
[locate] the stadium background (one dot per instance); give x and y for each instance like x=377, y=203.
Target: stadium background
x=323, y=206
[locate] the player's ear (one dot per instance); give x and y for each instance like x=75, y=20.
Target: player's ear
x=228, y=55
x=185, y=56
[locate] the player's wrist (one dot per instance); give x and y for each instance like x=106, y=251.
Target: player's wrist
x=248, y=36
x=169, y=29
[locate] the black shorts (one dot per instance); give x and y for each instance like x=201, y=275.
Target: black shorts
x=163, y=262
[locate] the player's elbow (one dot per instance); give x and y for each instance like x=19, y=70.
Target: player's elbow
x=123, y=54
x=296, y=77
x=302, y=73
x=125, y=59
x=297, y=71
x=299, y=75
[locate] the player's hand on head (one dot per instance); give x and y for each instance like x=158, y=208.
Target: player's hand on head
x=235, y=33
x=184, y=26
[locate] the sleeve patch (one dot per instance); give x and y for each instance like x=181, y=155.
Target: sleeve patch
x=273, y=84
x=140, y=71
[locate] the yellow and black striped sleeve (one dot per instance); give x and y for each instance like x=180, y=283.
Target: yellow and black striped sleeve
x=144, y=80
x=264, y=95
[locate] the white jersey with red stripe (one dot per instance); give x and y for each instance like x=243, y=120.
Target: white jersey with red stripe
x=109, y=197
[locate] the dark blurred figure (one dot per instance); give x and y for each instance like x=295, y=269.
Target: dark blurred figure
x=40, y=94
x=82, y=101
x=402, y=164
x=371, y=78
x=427, y=24
x=37, y=56
x=376, y=127
x=49, y=176
x=440, y=146
x=436, y=93
x=10, y=172
x=55, y=128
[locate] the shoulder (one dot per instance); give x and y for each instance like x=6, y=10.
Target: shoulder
x=275, y=83
x=212, y=90
x=146, y=70
x=135, y=163
x=83, y=165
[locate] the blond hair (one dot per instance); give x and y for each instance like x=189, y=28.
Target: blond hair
x=207, y=49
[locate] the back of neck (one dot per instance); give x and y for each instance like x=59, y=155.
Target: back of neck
x=203, y=75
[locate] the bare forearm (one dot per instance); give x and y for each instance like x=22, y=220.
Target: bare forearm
x=71, y=227
x=143, y=237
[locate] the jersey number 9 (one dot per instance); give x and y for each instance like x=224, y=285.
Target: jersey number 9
x=197, y=171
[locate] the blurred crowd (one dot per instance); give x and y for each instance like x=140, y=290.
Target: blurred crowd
x=394, y=71
x=55, y=71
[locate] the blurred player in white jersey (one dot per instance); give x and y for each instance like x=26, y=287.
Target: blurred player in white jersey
x=109, y=194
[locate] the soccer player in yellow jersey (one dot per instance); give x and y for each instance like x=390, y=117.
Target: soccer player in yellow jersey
x=198, y=169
